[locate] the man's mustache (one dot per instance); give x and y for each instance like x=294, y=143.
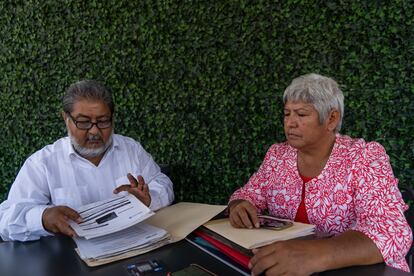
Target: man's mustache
x=94, y=138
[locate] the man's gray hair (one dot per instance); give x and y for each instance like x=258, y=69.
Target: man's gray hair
x=89, y=90
x=320, y=91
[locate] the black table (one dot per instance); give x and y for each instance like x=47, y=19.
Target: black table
x=56, y=256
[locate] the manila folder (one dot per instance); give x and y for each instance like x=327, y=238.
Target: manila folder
x=183, y=218
x=257, y=237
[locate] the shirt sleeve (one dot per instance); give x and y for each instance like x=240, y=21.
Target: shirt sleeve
x=160, y=185
x=255, y=189
x=380, y=207
x=21, y=214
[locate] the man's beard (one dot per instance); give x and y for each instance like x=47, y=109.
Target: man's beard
x=90, y=153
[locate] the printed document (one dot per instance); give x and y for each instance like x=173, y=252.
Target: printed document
x=136, y=237
x=169, y=224
x=111, y=215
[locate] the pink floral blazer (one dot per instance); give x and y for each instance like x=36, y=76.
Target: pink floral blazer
x=355, y=191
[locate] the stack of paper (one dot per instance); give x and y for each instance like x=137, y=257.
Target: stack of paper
x=140, y=238
x=257, y=237
x=112, y=227
x=109, y=216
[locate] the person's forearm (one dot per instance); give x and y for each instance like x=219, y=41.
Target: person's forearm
x=22, y=223
x=347, y=249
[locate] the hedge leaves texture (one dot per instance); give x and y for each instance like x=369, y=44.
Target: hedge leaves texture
x=199, y=83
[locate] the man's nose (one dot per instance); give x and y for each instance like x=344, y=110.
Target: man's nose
x=94, y=130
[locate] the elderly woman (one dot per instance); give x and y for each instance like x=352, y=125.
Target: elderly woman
x=342, y=185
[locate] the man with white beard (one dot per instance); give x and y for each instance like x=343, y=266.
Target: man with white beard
x=89, y=165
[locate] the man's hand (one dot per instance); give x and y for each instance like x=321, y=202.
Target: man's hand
x=293, y=257
x=55, y=220
x=243, y=214
x=137, y=187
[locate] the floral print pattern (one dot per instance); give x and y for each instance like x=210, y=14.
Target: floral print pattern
x=356, y=190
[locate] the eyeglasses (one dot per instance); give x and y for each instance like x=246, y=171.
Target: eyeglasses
x=86, y=125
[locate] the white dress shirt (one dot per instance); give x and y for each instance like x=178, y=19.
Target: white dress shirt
x=57, y=175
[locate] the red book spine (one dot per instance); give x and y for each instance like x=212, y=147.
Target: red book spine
x=234, y=254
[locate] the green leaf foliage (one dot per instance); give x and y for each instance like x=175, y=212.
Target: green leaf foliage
x=199, y=83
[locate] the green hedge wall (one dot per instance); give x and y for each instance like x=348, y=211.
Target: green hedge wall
x=199, y=83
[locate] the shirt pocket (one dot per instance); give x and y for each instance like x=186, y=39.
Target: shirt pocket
x=69, y=196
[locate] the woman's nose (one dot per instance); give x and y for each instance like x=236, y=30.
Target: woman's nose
x=291, y=121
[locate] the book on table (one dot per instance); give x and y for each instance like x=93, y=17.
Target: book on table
x=233, y=245
x=122, y=227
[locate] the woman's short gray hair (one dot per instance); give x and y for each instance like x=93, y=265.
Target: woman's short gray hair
x=320, y=91
x=87, y=89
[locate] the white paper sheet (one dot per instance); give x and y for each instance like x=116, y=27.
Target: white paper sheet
x=111, y=215
x=135, y=237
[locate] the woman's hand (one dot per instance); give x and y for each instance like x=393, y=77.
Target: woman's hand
x=293, y=257
x=304, y=257
x=243, y=214
x=137, y=187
